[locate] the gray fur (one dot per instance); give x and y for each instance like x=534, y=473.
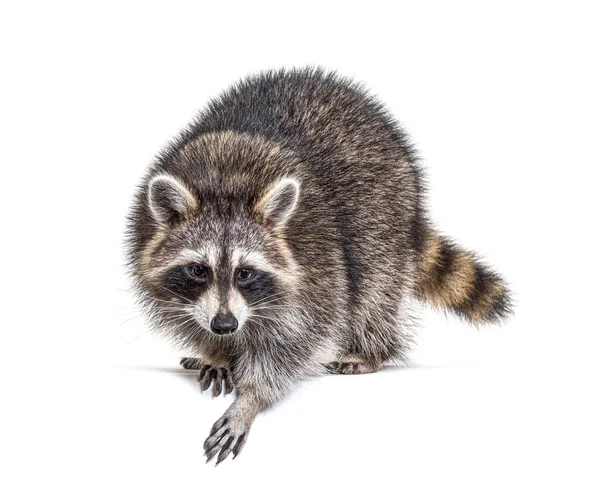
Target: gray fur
x=310, y=171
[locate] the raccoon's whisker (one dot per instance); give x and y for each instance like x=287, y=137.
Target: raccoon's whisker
x=181, y=325
x=269, y=307
x=271, y=310
x=256, y=317
x=128, y=308
x=128, y=313
x=175, y=309
x=165, y=301
x=177, y=314
x=269, y=298
x=177, y=295
x=185, y=323
x=257, y=322
x=129, y=319
x=134, y=338
x=261, y=317
x=176, y=318
x=267, y=304
x=273, y=295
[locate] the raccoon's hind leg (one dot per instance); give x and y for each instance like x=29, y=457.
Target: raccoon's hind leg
x=374, y=343
x=352, y=366
x=219, y=377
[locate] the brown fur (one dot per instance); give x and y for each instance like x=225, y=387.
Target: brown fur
x=306, y=174
x=454, y=279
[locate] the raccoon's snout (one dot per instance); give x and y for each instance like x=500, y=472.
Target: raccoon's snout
x=224, y=324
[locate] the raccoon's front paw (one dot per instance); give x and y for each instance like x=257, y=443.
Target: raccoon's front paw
x=191, y=363
x=219, y=377
x=227, y=435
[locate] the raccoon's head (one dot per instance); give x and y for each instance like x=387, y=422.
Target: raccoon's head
x=215, y=259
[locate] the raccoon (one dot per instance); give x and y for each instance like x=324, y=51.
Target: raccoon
x=280, y=237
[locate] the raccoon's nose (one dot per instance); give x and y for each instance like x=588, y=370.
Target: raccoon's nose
x=223, y=325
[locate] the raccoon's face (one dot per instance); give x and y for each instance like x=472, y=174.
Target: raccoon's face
x=218, y=265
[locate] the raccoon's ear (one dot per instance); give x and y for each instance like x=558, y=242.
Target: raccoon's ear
x=280, y=200
x=168, y=198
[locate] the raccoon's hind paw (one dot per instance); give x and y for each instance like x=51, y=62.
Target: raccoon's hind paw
x=352, y=367
x=226, y=436
x=191, y=363
x=219, y=377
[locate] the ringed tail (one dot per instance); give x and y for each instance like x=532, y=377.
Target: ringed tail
x=456, y=280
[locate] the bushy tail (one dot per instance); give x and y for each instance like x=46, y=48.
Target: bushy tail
x=456, y=280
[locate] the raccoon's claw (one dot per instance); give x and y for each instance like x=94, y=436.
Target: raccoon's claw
x=351, y=367
x=226, y=437
x=191, y=363
x=219, y=377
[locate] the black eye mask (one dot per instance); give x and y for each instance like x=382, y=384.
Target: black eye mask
x=258, y=286
x=181, y=282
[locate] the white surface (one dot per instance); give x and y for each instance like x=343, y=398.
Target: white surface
x=503, y=104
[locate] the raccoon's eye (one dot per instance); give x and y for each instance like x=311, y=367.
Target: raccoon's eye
x=198, y=271
x=244, y=274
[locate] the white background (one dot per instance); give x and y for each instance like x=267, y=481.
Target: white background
x=502, y=100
